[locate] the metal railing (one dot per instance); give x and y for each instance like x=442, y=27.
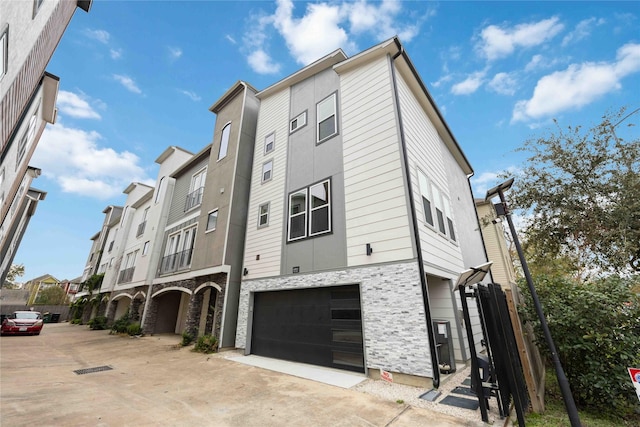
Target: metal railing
x=126, y=275
x=176, y=262
x=141, y=227
x=194, y=199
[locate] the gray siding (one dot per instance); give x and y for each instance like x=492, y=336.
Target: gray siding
x=181, y=189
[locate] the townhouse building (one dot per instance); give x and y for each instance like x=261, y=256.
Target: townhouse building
x=360, y=220
x=112, y=215
x=29, y=34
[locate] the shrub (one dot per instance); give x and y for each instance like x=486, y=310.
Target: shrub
x=98, y=323
x=76, y=321
x=187, y=338
x=206, y=344
x=120, y=326
x=134, y=329
x=596, y=329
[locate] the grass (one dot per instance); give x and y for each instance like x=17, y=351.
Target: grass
x=555, y=414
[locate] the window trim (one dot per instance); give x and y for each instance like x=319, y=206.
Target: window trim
x=298, y=127
x=4, y=61
x=221, y=154
x=440, y=205
x=308, y=212
x=267, y=214
x=36, y=7
x=262, y=179
x=304, y=212
x=160, y=188
x=207, y=229
x=319, y=140
x=145, y=248
x=327, y=205
x=273, y=143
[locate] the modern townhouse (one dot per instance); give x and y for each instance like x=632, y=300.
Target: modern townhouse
x=360, y=220
x=112, y=216
x=198, y=278
x=29, y=34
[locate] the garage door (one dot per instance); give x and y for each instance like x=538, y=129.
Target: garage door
x=320, y=326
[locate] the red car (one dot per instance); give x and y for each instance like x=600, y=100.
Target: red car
x=22, y=322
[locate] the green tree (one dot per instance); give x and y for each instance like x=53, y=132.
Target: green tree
x=15, y=271
x=53, y=295
x=580, y=191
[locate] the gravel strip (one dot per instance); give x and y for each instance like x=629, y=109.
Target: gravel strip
x=411, y=396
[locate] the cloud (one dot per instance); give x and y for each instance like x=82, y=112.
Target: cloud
x=115, y=53
x=262, y=63
x=578, y=85
x=583, y=30
x=101, y=35
x=174, y=53
x=230, y=39
x=486, y=180
x=469, y=85
x=504, y=84
x=127, y=82
x=379, y=19
x=73, y=158
x=194, y=96
x=75, y=105
x=496, y=42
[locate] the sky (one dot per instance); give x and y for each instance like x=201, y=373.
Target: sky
x=139, y=76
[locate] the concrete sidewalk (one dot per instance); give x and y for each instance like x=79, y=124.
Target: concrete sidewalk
x=152, y=383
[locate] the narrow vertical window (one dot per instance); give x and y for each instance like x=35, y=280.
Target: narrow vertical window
x=212, y=220
x=320, y=221
x=36, y=7
x=145, y=248
x=4, y=51
x=327, y=121
x=426, y=197
x=447, y=213
x=267, y=171
x=298, y=215
x=224, y=141
x=439, y=213
x=269, y=142
x=160, y=188
x=263, y=215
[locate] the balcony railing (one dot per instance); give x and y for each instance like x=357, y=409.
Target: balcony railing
x=126, y=275
x=176, y=262
x=194, y=199
x=141, y=227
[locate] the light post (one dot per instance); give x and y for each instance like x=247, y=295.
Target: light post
x=503, y=210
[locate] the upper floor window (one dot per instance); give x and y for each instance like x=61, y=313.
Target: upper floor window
x=124, y=214
x=310, y=211
x=437, y=208
x=212, y=220
x=269, y=142
x=425, y=192
x=159, y=190
x=267, y=171
x=298, y=122
x=28, y=137
x=263, y=215
x=224, y=141
x=2, y=176
x=196, y=190
x=36, y=7
x=327, y=125
x=145, y=248
x=178, y=251
x=4, y=51
x=143, y=223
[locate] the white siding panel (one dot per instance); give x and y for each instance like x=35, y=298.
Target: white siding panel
x=424, y=151
x=375, y=199
x=267, y=241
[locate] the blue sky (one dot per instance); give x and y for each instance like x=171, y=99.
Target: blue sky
x=138, y=76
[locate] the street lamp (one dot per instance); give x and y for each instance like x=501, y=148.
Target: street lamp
x=503, y=210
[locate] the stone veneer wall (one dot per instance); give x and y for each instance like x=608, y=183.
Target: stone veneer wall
x=393, y=316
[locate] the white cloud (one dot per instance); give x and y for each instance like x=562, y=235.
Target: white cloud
x=174, y=52
x=194, y=96
x=486, y=180
x=115, y=53
x=75, y=105
x=469, y=85
x=230, y=39
x=379, y=19
x=101, y=35
x=127, y=82
x=535, y=63
x=74, y=159
x=444, y=79
x=262, y=63
x=578, y=85
x=497, y=42
x=503, y=83
x=583, y=30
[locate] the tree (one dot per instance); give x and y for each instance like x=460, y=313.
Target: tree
x=53, y=295
x=15, y=271
x=579, y=190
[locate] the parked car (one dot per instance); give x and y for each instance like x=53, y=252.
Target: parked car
x=22, y=322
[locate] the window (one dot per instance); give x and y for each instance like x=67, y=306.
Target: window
x=194, y=198
x=212, y=220
x=269, y=142
x=326, y=116
x=124, y=213
x=267, y=171
x=36, y=7
x=434, y=201
x=224, y=142
x=425, y=192
x=4, y=51
x=145, y=248
x=263, y=215
x=298, y=122
x=143, y=223
x=178, y=251
x=28, y=137
x=310, y=216
x=447, y=213
x=110, y=246
x=438, y=206
x=1, y=176
x=160, y=188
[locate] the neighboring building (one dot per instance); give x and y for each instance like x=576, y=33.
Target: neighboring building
x=29, y=34
x=71, y=287
x=35, y=286
x=112, y=215
x=360, y=198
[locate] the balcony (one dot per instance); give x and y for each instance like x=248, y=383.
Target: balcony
x=176, y=262
x=126, y=275
x=141, y=227
x=194, y=199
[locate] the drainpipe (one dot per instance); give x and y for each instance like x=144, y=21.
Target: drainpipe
x=416, y=234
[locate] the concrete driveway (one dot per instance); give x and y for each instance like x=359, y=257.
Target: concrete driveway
x=152, y=383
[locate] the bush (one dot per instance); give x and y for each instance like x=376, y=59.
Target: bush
x=98, y=323
x=596, y=329
x=187, y=338
x=206, y=344
x=76, y=321
x=120, y=326
x=134, y=329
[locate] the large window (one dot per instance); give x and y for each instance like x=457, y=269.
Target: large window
x=178, y=251
x=4, y=51
x=196, y=190
x=224, y=141
x=327, y=118
x=437, y=208
x=310, y=211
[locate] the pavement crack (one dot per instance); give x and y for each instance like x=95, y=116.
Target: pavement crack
x=398, y=416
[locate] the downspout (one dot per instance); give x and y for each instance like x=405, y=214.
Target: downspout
x=416, y=235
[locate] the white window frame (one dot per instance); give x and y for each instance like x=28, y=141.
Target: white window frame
x=265, y=214
x=4, y=51
x=313, y=209
x=124, y=214
x=224, y=141
x=425, y=192
x=197, y=182
x=267, y=167
x=448, y=219
x=269, y=140
x=333, y=98
x=160, y=188
x=145, y=247
x=36, y=7
x=298, y=121
x=209, y=215
x=28, y=137
x=309, y=211
x=303, y=212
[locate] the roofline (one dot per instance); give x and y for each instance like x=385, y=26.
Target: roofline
x=205, y=152
x=231, y=93
x=169, y=151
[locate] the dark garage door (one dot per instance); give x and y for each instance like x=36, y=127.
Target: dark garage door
x=320, y=326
